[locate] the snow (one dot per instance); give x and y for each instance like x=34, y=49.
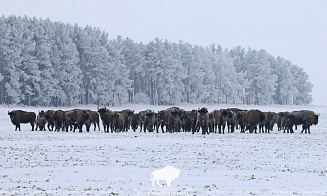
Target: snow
x=98, y=163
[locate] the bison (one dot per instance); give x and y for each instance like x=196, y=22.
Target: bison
x=76, y=118
x=135, y=121
x=148, y=120
x=188, y=119
x=41, y=121
x=94, y=119
x=306, y=118
x=117, y=122
x=19, y=116
x=202, y=120
x=48, y=115
x=252, y=119
x=107, y=118
x=59, y=120
x=220, y=117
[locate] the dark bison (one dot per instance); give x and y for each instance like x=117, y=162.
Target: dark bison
x=252, y=119
x=107, y=118
x=311, y=118
x=220, y=120
x=19, y=116
x=135, y=121
x=41, y=121
x=188, y=119
x=148, y=120
x=177, y=114
x=169, y=118
x=76, y=118
x=59, y=120
x=280, y=119
x=48, y=115
x=268, y=123
x=94, y=119
x=165, y=119
x=127, y=115
x=202, y=120
x=211, y=122
x=306, y=118
x=240, y=120
x=232, y=120
x=117, y=122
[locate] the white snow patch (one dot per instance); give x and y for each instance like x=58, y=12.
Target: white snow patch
x=99, y=163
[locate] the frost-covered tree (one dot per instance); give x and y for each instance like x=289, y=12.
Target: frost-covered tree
x=303, y=86
x=43, y=37
x=55, y=64
x=154, y=68
x=285, y=89
x=134, y=59
x=119, y=73
x=65, y=62
x=230, y=84
x=4, y=46
x=259, y=75
x=12, y=60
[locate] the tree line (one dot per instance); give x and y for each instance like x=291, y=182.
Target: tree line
x=49, y=63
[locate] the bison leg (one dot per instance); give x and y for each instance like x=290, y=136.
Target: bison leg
x=32, y=124
x=168, y=182
x=232, y=128
x=17, y=127
x=224, y=125
x=158, y=182
x=80, y=128
x=88, y=128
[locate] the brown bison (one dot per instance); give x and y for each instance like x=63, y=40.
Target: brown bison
x=127, y=115
x=220, y=120
x=168, y=118
x=252, y=119
x=94, y=119
x=59, y=120
x=107, y=118
x=19, y=116
x=41, y=121
x=48, y=115
x=147, y=120
x=268, y=123
x=76, y=118
x=188, y=119
x=306, y=118
x=202, y=120
x=135, y=121
x=117, y=122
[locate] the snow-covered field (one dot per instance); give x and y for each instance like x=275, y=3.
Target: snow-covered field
x=98, y=163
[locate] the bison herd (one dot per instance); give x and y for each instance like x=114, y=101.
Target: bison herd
x=171, y=120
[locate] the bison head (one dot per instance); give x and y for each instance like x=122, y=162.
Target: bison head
x=12, y=115
x=203, y=110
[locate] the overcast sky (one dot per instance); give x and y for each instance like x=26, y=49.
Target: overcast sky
x=293, y=29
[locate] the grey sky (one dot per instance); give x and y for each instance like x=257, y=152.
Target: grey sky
x=293, y=29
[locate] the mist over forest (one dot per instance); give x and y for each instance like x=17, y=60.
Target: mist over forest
x=46, y=63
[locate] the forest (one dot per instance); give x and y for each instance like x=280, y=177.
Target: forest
x=46, y=63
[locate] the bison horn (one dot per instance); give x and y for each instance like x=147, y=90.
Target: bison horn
x=8, y=112
x=318, y=114
x=98, y=108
